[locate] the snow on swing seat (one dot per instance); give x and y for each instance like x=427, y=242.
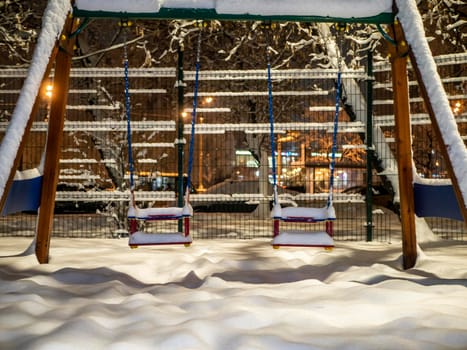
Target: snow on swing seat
x=304, y=214
x=137, y=238
x=168, y=213
x=303, y=239
x=143, y=238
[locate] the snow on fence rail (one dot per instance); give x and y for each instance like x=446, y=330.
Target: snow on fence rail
x=200, y=128
x=259, y=93
x=441, y=60
x=419, y=99
x=388, y=85
x=260, y=74
x=113, y=196
x=259, y=128
x=100, y=72
x=415, y=119
x=112, y=125
x=164, y=196
x=87, y=161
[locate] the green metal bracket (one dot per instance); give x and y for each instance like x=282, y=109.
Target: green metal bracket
x=385, y=35
x=83, y=25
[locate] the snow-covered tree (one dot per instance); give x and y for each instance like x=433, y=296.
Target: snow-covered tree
x=19, y=25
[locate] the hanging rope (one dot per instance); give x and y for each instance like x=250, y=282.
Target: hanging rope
x=332, y=165
x=128, y=107
x=271, y=120
x=193, y=116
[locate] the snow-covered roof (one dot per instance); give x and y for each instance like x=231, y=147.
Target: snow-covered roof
x=364, y=11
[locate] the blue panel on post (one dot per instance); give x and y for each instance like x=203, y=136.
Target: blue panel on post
x=24, y=195
x=436, y=201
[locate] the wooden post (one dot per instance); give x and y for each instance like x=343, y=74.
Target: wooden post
x=399, y=54
x=27, y=130
x=54, y=141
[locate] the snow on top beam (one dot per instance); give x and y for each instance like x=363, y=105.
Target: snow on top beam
x=361, y=11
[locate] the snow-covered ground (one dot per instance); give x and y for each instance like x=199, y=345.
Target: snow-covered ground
x=232, y=294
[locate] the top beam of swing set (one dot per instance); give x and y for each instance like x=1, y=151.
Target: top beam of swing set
x=350, y=11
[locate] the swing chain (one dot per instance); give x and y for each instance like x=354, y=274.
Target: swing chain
x=193, y=116
x=268, y=27
x=341, y=28
x=128, y=109
x=198, y=46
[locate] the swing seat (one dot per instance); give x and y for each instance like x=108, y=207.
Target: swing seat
x=153, y=214
x=140, y=238
x=436, y=200
x=25, y=192
x=304, y=214
x=298, y=238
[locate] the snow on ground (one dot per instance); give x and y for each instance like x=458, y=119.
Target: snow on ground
x=99, y=294
x=232, y=294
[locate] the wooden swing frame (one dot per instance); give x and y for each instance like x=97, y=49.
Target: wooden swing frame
x=400, y=51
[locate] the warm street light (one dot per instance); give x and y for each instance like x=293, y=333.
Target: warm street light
x=48, y=90
x=457, y=107
x=48, y=94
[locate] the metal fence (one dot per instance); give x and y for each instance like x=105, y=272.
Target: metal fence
x=232, y=158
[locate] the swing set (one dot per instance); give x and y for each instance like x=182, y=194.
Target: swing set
x=307, y=215
x=66, y=28
x=135, y=214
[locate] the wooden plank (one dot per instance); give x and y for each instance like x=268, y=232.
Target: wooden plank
x=54, y=141
x=34, y=110
x=403, y=138
x=439, y=136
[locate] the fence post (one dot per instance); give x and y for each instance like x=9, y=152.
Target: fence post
x=180, y=126
x=369, y=147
